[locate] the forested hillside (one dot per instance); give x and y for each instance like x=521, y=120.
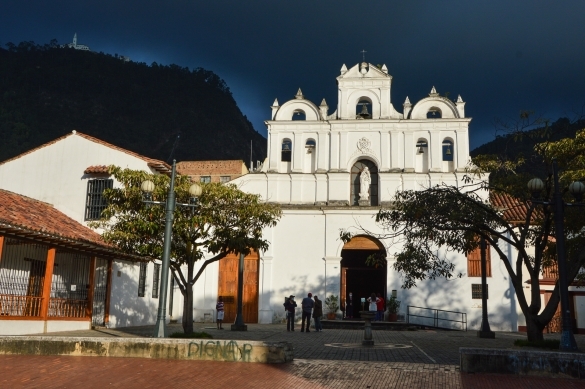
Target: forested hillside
x=519, y=142
x=47, y=91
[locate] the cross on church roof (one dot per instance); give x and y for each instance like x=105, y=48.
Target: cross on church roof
x=363, y=55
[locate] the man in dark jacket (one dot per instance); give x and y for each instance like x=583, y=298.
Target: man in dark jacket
x=289, y=307
x=307, y=305
x=317, y=313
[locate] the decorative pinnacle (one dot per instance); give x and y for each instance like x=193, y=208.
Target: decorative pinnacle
x=433, y=92
x=299, y=95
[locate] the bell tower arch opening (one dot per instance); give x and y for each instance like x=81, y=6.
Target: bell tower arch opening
x=358, y=280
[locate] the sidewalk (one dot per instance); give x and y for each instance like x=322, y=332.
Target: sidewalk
x=328, y=359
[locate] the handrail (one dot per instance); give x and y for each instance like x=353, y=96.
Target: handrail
x=437, y=319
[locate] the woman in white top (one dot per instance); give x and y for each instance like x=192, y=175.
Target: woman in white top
x=373, y=300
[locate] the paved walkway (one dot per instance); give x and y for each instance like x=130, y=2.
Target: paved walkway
x=328, y=359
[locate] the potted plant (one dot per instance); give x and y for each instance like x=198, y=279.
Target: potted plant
x=392, y=305
x=332, y=304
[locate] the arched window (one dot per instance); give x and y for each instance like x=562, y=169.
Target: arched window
x=299, y=114
x=363, y=109
x=434, y=113
x=421, y=156
x=285, y=155
x=310, y=156
x=447, y=150
x=356, y=184
x=448, y=154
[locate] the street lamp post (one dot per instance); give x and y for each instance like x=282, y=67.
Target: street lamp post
x=170, y=204
x=485, y=330
x=577, y=188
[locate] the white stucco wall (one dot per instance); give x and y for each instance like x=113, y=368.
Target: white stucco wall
x=55, y=173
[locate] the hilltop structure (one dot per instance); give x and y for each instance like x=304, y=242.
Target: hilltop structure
x=74, y=45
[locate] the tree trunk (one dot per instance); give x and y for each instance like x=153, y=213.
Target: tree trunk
x=188, y=309
x=534, y=328
x=188, y=300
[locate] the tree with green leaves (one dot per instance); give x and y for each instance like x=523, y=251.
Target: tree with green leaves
x=225, y=220
x=454, y=217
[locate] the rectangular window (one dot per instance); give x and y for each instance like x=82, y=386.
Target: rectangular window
x=224, y=179
x=205, y=179
x=142, y=280
x=476, y=291
x=95, y=202
x=155, y=280
x=474, y=262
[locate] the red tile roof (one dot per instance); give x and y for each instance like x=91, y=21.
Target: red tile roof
x=98, y=169
x=515, y=210
x=160, y=166
x=24, y=217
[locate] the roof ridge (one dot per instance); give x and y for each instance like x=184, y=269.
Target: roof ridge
x=95, y=140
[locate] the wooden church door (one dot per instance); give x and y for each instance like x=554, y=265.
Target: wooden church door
x=228, y=287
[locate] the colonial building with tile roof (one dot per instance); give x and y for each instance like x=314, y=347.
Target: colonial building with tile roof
x=55, y=273
x=48, y=195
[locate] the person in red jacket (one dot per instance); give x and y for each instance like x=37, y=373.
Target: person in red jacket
x=380, y=304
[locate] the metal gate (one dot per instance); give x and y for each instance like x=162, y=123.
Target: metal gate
x=100, y=291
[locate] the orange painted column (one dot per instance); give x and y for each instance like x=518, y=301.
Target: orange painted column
x=1, y=246
x=47, y=282
x=89, y=308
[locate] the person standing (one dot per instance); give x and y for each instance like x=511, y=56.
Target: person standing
x=219, y=309
x=289, y=307
x=373, y=300
x=318, y=313
x=380, y=303
x=307, y=304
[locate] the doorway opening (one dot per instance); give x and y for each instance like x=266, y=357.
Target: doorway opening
x=358, y=280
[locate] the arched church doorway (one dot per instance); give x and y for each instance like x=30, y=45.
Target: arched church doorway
x=358, y=278
x=356, y=171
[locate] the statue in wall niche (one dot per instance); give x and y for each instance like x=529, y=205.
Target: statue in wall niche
x=365, y=181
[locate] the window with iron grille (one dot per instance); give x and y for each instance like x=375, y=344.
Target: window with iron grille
x=205, y=179
x=95, y=202
x=142, y=280
x=155, y=280
x=476, y=291
x=224, y=179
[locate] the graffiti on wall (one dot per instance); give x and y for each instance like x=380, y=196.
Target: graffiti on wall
x=230, y=350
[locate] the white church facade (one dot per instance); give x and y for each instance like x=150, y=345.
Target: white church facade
x=332, y=171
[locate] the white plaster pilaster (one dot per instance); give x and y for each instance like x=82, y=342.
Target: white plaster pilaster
x=298, y=149
x=334, y=157
x=265, y=313
x=332, y=275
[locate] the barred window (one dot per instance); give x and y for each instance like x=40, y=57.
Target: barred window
x=205, y=179
x=155, y=280
x=142, y=280
x=476, y=291
x=95, y=202
x=224, y=179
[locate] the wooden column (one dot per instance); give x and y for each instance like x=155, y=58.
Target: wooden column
x=1, y=246
x=108, y=292
x=89, y=308
x=47, y=282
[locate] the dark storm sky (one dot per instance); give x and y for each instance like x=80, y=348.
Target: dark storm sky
x=501, y=56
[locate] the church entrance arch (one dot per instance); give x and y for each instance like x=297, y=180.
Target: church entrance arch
x=358, y=278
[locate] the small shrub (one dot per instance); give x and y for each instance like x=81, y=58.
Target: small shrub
x=194, y=335
x=547, y=343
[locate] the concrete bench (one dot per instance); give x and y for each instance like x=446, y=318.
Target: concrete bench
x=180, y=349
x=529, y=362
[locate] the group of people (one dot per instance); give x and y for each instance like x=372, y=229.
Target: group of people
x=377, y=305
x=309, y=307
